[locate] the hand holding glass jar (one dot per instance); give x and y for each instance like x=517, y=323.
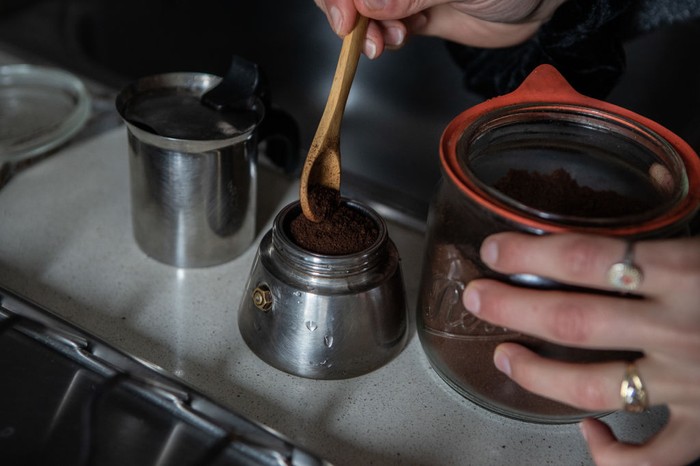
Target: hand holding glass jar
x=664, y=325
x=560, y=281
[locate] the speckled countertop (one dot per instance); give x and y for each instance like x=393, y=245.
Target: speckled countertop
x=66, y=243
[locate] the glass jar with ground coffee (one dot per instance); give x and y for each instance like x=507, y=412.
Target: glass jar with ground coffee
x=543, y=159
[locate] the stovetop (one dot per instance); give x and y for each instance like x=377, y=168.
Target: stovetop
x=68, y=397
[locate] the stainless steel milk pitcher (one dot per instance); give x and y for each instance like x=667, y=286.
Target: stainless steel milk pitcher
x=193, y=166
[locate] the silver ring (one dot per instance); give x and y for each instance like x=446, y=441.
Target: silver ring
x=626, y=275
x=634, y=395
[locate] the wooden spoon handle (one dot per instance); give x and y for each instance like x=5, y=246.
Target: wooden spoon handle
x=322, y=164
x=342, y=80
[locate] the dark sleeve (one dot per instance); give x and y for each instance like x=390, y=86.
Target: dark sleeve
x=583, y=40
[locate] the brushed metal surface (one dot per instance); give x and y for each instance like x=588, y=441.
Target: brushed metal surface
x=331, y=317
x=193, y=201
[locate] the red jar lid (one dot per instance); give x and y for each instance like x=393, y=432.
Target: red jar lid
x=546, y=87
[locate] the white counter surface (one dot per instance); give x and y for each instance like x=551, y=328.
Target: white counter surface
x=66, y=243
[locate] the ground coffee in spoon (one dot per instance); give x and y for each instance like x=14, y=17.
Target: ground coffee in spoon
x=323, y=201
x=342, y=231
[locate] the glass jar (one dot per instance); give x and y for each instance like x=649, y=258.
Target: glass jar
x=613, y=173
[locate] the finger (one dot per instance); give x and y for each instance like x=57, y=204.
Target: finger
x=597, y=386
x=585, y=259
x=341, y=15
x=374, y=43
x=383, y=35
x=394, y=33
x=590, y=387
x=675, y=445
x=573, y=319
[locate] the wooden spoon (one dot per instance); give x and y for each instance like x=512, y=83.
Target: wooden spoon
x=322, y=165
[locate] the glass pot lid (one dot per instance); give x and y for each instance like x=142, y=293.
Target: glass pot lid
x=40, y=108
x=546, y=130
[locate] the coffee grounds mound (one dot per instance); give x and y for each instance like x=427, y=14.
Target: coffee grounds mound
x=323, y=201
x=344, y=231
x=559, y=193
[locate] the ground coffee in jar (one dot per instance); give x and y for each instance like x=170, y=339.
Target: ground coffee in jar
x=559, y=193
x=541, y=160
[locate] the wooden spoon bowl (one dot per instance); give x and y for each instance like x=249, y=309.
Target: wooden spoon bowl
x=322, y=165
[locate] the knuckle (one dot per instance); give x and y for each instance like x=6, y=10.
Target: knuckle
x=683, y=338
x=678, y=262
x=495, y=306
x=580, y=258
x=569, y=323
x=392, y=9
x=686, y=278
x=590, y=393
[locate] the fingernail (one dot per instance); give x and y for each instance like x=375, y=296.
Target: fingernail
x=395, y=36
x=370, y=49
x=472, y=300
x=375, y=4
x=500, y=359
x=336, y=19
x=489, y=251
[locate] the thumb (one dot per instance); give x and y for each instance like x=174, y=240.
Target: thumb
x=341, y=15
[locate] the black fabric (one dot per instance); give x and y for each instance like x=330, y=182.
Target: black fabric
x=583, y=40
x=648, y=15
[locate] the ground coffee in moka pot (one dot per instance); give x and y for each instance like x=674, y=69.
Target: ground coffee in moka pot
x=342, y=230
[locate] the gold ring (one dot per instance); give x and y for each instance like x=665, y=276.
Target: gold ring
x=626, y=275
x=634, y=395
